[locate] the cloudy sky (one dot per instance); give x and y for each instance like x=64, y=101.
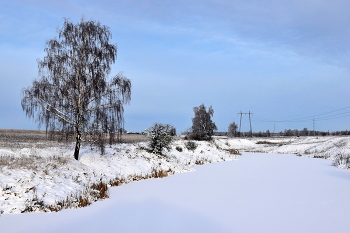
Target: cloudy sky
x=286, y=61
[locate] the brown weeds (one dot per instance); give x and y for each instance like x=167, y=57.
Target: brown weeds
x=101, y=190
x=233, y=151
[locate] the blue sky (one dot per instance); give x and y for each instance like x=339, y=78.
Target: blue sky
x=278, y=59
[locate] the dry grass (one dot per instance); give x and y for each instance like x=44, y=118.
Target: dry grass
x=21, y=135
x=134, y=138
x=91, y=194
x=199, y=162
x=31, y=162
x=267, y=142
x=20, y=138
x=233, y=151
x=320, y=157
x=14, y=140
x=101, y=190
x=162, y=173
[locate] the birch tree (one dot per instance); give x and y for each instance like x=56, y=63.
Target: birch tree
x=232, y=129
x=202, y=125
x=74, y=91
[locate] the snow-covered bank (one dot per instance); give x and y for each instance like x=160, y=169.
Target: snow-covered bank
x=49, y=179
x=258, y=193
x=335, y=148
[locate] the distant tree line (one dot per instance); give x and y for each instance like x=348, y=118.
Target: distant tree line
x=286, y=133
x=298, y=133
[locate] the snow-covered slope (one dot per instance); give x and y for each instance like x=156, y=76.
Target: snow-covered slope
x=50, y=179
x=318, y=147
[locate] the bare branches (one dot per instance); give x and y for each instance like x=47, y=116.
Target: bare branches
x=73, y=91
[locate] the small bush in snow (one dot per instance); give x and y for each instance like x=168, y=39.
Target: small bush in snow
x=193, y=136
x=190, y=145
x=342, y=160
x=172, y=131
x=160, y=137
x=178, y=148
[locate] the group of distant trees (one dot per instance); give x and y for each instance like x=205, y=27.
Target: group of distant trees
x=336, y=133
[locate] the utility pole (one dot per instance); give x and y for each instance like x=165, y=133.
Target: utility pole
x=250, y=123
x=240, y=123
x=313, y=123
x=251, y=131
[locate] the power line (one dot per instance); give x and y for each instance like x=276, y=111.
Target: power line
x=307, y=119
x=330, y=117
x=250, y=122
x=324, y=119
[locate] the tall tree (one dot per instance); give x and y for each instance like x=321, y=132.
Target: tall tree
x=268, y=134
x=73, y=92
x=202, y=125
x=232, y=129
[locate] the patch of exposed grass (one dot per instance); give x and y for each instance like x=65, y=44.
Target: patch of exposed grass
x=268, y=142
x=32, y=162
x=233, y=151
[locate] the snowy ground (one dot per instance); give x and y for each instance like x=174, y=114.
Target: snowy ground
x=41, y=178
x=258, y=193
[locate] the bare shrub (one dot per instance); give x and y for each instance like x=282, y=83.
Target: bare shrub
x=34, y=204
x=320, y=157
x=199, y=162
x=161, y=173
x=341, y=160
x=117, y=182
x=178, y=148
x=191, y=145
x=101, y=190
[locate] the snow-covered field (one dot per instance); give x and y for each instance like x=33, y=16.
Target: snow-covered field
x=257, y=193
x=326, y=147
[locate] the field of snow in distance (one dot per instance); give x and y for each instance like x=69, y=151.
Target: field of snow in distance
x=257, y=193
